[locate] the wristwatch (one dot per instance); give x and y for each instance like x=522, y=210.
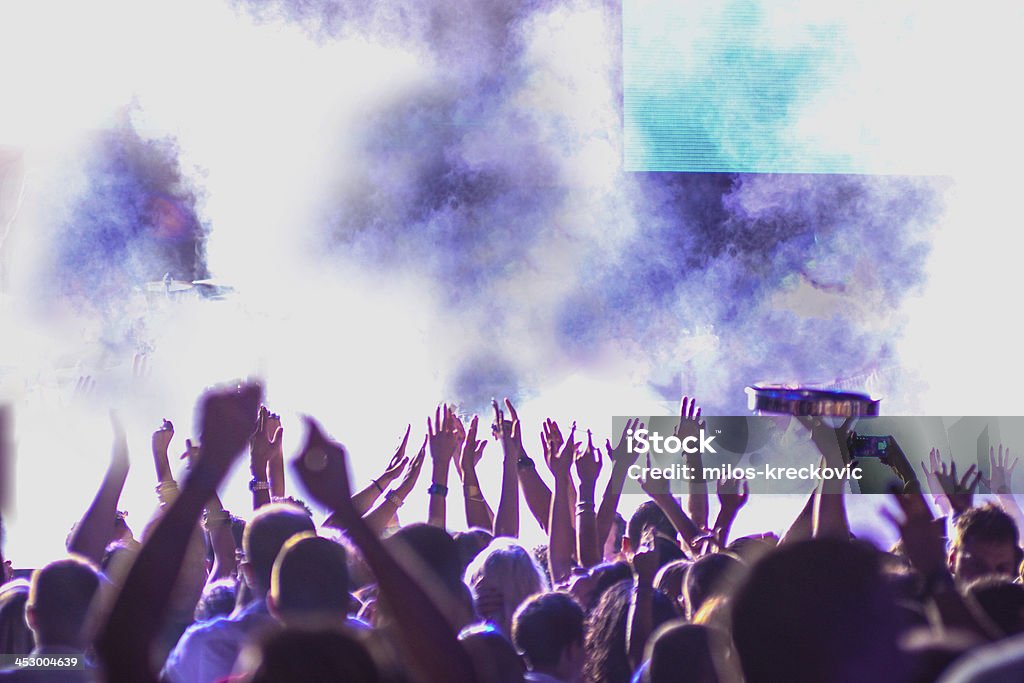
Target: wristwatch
x=258, y=485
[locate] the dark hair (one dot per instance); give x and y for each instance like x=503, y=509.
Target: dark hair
x=794, y=617
x=470, y=543
x=494, y=658
x=15, y=635
x=607, y=660
x=545, y=625
x=670, y=577
x=218, y=599
x=986, y=524
x=264, y=536
x=59, y=599
x=314, y=655
x=309, y=576
x=715, y=574
x=1002, y=600
x=684, y=653
x=434, y=547
x=648, y=515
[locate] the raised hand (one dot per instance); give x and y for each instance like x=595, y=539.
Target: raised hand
x=689, y=419
x=646, y=560
x=412, y=473
x=397, y=463
x=472, y=449
x=322, y=467
x=162, y=438
x=588, y=464
x=620, y=456
x=191, y=453
x=832, y=442
x=733, y=494
x=228, y=420
x=1001, y=470
x=560, y=460
x=264, y=444
x=442, y=435
x=551, y=440
x=652, y=486
x=923, y=538
x=959, y=491
x=119, y=452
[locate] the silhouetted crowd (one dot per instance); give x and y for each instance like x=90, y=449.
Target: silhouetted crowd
x=282, y=596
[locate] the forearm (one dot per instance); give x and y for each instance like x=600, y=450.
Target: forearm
x=218, y=526
x=506, y=521
x=560, y=540
x=723, y=524
x=478, y=512
x=96, y=527
x=537, y=494
x=364, y=500
x=610, y=502
x=588, y=549
x=137, y=615
x=377, y=519
x=697, y=500
x=640, y=621
x=162, y=466
x=830, y=519
x=681, y=522
x=436, y=508
x=802, y=527
x=275, y=476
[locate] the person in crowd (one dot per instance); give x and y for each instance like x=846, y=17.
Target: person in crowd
x=207, y=651
x=985, y=541
x=15, y=635
x=501, y=577
x=548, y=630
x=62, y=608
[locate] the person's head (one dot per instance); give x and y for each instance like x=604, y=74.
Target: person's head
x=470, y=543
x=686, y=653
x=311, y=654
x=587, y=586
x=218, y=599
x=647, y=516
x=710, y=575
x=309, y=577
x=613, y=544
x=812, y=612
x=264, y=536
x=1002, y=600
x=59, y=602
x=494, y=658
x=434, y=552
x=15, y=635
x=607, y=660
x=670, y=577
x=984, y=541
x=548, y=630
x=501, y=577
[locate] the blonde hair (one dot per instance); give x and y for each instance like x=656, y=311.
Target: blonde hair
x=506, y=568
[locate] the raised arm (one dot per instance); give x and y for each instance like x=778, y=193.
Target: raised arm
x=640, y=619
x=275, y=457
x=802, y=527
x=364, y=500
x=381, y=515
x=506, y=522
x=478, y=512
x=690, y=425
x=427, y=635
x=830, y=518
x=535, y=491
x=127, y=638
x=733, y=494
x=560, y=537
x=588, y=468
x=96, y=527
x=622, y=459
x=658, y=490
x=261, y=448
x=999, y=482
x=443, y=440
